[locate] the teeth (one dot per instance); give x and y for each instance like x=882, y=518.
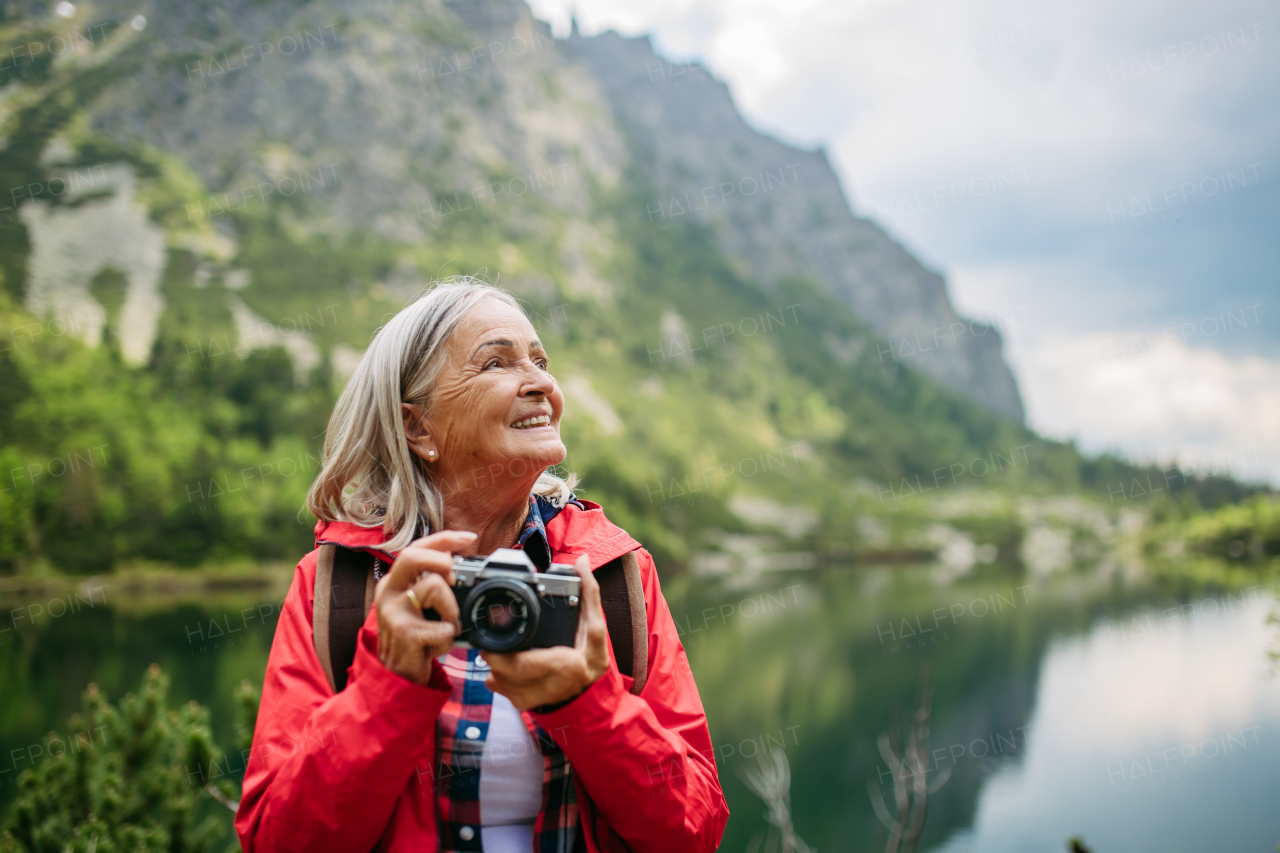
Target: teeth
x=540, y=420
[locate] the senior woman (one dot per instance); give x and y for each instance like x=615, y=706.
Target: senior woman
x=438, y=447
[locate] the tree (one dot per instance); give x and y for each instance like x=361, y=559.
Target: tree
x=134, y=778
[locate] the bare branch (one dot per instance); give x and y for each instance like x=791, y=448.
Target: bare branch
x=222, y=798
x=911, y=800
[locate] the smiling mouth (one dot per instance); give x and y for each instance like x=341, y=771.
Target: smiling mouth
x=536, y=421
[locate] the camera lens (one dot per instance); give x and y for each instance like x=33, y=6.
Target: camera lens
x=503, y=615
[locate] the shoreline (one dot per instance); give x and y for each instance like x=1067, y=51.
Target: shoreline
x=140, y=586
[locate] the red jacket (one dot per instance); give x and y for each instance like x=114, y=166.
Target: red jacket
x=344, y=772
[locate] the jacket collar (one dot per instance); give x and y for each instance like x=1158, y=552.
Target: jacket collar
x=534, y=538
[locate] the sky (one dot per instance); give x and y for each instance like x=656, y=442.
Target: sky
x=1099, y=178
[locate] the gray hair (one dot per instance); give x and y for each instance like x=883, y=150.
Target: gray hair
x=368, y=474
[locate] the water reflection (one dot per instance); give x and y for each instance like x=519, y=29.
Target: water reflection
x=1051, y=698
x=1163, y=740
x=44, y=671
x=840, y=664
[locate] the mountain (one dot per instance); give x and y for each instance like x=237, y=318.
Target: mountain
x=401, y=129
x=781, y=211
x=214, y=206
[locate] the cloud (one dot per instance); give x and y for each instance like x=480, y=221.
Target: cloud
x=1015, y=147
x=1168, y=678
x=1155, y=398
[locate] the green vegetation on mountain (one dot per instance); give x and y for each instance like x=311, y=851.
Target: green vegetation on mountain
x=696, y=392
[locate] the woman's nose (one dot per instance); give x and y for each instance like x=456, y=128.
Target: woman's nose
x=538, y=382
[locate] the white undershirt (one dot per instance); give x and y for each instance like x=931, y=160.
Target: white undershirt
x=510, y=782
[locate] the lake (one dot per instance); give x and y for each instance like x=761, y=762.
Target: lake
x=1138, y=712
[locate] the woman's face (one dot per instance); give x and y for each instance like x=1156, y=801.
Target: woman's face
x=496, y=411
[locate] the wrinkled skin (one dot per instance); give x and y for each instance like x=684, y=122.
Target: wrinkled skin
x=495, y=374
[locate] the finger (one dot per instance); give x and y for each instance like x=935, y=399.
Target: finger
x=528, y=667
x=509, y=666
x=415, y=561
x=432, y=591
x=497, y=685
x=592, y=614
x=445, y=540
x=590, y=587
x=428, y=554
x=434, y=634
x=504, y=666
x=522, y=699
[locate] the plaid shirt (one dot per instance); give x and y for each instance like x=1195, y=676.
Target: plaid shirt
x=458, y=757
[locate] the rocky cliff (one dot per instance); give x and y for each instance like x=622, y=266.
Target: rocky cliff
x=782, y=212
x=405, y=119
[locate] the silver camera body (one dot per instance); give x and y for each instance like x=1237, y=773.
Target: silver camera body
x=506, y=605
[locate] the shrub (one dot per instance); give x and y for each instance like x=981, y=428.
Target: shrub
x=130, y=779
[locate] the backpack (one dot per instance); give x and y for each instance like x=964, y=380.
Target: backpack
x=344, y=593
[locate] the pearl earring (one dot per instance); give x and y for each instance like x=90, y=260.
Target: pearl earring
x=431, y=455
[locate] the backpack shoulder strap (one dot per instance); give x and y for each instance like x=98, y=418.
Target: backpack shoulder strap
x=622, y=597
x=343, y=596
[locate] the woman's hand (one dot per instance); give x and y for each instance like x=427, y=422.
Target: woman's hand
x=545, y=676
x=407, y=641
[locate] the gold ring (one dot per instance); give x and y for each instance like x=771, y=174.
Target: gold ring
x=413, y=597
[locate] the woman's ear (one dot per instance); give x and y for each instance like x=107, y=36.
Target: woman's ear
x=415, y=430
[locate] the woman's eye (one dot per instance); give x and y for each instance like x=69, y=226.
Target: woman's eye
x=493, y=362
x=543, y=364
